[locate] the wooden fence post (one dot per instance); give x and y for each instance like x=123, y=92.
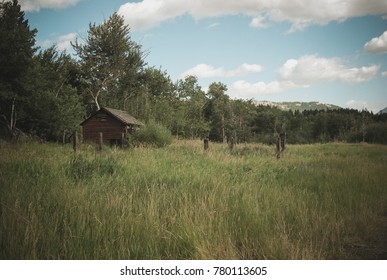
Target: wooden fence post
x=206, y=143
x=278, y=147
x=64, y=137
x=100, y=142
x=231, y=143
x=75, y=141
x=281, y=141
x=283, y=137
x=122, y=139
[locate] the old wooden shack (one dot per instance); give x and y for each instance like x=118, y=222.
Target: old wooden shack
x=112, y=123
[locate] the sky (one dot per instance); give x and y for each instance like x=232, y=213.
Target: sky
x=330, y=51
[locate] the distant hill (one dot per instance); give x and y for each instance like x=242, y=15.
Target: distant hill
x=383, y=111
x=300, y=106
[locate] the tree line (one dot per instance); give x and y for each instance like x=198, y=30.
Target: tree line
x=47, y=93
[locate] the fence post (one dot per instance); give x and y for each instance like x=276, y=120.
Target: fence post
x=75, y=141
x=231, y=143
x=64, y=137
x=100, y=142
x=206, y=143
x=281, y=141
x=278, y=147
x=122, y=139
x=283, y=137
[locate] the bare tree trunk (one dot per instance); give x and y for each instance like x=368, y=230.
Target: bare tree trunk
x=223, y=130
x=96, y=102
x=12, y=122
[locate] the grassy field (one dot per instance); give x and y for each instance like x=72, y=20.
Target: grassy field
x=317, y=202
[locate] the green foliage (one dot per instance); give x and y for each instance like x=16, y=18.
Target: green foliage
x=110, y=62
x=54, y=108
x=190, y=120
x=377, y=133
x=152, y=134
x=17, y=42
x=38, y=92
x=218, y=112
x=154, y=98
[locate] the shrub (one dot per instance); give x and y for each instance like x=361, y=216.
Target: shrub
x=152, y=134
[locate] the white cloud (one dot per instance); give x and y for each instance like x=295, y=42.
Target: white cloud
x=36, y=5
x=150, y=13
x=377, y=45
x=311, y=69
x=209, y=71
x=243, y=89
x=213, y=25
x=46, y=43
x=245, y=69
x=300, y=13
x=63, y=43
x=259, y=22
x=305, y=72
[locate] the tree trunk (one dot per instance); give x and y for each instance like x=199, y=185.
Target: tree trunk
x=223, y=130
x=12, y=122
x=96, y=102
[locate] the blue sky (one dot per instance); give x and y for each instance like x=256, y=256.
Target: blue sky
x=331, y=51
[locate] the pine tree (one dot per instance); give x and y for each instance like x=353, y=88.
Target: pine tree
x=17, y=43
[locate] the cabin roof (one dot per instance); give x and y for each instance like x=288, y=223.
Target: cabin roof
x=120, y=115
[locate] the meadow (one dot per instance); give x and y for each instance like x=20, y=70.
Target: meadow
x=322, y=201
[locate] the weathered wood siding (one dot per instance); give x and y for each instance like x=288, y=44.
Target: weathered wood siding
x=111, y=128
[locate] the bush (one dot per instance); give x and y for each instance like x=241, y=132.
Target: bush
x=152, y=134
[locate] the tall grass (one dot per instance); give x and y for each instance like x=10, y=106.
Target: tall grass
x=180, y=202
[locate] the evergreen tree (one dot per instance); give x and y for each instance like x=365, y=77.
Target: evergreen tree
x=17, y=43
x=55, y=107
